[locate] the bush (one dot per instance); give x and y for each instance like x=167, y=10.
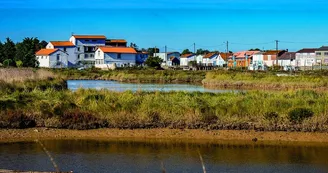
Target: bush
x=19, y=63
x=16, y=119
x=7, y=62
x=271, y=115
x=81, y=120
x=297, y=115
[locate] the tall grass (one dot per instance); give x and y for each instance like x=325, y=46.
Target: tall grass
x=85, y=109
x=24, y=74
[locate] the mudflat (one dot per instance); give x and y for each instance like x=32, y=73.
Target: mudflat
x=15, y=135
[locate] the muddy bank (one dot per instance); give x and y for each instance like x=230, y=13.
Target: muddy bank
x=13, y=135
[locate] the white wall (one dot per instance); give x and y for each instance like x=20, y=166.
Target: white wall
x=305, y=59
x=185, y=61
x=43, y=60
x=166, y=58
x=220, y=61
x=111, y=59
x=50, y=61
x=199, y=59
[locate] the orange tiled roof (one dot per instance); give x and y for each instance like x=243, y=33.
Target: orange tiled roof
x=62, y=43
x=186, y=55
x=225, y=56
x=209, y=55
x=117, y=41
x=89, y=36
x=118, y=50
x=45, y=51
x=242, y=53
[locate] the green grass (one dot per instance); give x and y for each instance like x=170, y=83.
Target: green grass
x=52, y=108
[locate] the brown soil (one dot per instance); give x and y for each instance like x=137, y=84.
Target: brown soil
x=13, y=135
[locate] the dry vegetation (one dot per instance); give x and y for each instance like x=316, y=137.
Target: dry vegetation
x=11, y=75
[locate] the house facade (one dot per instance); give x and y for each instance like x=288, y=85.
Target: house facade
x=241, y=59
x=86, y=46
x=107, y=57
x=199, y=59
x=52, y=58
x=322, y=55
x=287, y=60
x=210, y=59
x=65, y=46
x=305, y=58
x=169, y=58
x=186, y=59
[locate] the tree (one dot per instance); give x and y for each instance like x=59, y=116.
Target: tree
x=43, y=44
x=152, y=50
x=1, y=54
x=201, y=51
x=256, y=49
x=9, y=51
x=26, y=52
x=186, y=51
x=153, y=61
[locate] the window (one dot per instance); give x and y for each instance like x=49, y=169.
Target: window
x=326, y=53
x=86, y=40
x=94, y=40
x=58, y=57
x=318, y=53
x=119, y=56
x=98, y=53
x=78, y=56
x=91, y=56
x=86, y=56
x=78, y=49
x=41, y=57
x=64, y=49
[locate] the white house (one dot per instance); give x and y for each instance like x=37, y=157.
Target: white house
x=115, y=56
x=257, y=62
x=52, y=58
x=210, y=59
x=287, y=60
x=169, y=58
x=86, y=46
x=186, y=59
x=65, y=46
x=199, y=59
x=306, y=57
x=221, y=59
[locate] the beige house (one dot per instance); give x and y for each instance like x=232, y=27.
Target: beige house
x=321, y=55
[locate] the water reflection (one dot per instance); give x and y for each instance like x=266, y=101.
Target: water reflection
x=117, y=86
x=133, y=156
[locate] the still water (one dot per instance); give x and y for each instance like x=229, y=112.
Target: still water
x=149, y=156
x=118, y=86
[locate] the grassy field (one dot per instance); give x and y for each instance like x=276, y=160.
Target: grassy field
x=30, y=98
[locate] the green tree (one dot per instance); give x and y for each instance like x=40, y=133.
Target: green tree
x=9, y=51
x=7, y=62
x=186, y=51
x=26, y=52
x=256, y=49
x=1, y=53
x=152, y=50
x=153, y=61
x=43, y=44
x=201, y=51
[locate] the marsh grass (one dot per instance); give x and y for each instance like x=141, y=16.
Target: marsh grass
x=85, y=109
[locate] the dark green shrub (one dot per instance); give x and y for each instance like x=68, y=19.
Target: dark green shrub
x=297, y=115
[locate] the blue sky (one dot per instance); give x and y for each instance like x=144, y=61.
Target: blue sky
x=174, y=23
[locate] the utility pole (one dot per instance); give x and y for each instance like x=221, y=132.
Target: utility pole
x=195, y=48
x=277, y=42
x=227, y=53
x=166, y=55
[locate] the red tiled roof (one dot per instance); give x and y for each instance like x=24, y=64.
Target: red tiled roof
x=225, y=56
x=209, y=55
x=46, y=51
x=186, y=55
x=242, y=53
x=118, y=50
x=62, y=43
x=89, y=36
